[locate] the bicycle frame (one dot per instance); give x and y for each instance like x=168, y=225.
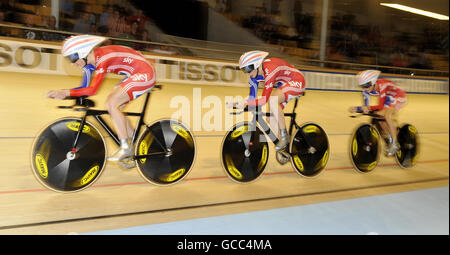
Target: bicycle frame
x=375, y=121
x=97, y=115
x=257, y=117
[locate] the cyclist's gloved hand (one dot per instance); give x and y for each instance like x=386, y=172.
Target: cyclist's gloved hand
x=58, y=94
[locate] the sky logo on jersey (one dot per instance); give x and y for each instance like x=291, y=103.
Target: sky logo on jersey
x=128, y=60
x=140, y=77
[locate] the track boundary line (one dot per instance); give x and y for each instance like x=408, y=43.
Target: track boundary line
x=215, y=204
x=214, y=177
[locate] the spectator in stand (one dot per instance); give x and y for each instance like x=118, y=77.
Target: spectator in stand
x=3, y=30
x=66, y=9
x=93, y=30
x=127, y=35
x=116, y=24
x=143, y=37
x=104, y=17
x=140, y=18
x=82, y=25
x=91, y=16
x=31, y=34
x=51, y=25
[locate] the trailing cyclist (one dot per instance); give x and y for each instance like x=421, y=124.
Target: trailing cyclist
x=391, y=99
x=273, y=73
x=140, y=78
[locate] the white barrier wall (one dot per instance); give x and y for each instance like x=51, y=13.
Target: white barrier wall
x=22, y=56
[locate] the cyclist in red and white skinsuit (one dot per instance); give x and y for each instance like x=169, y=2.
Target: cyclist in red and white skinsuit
x=391, y=99
x=274, y=73
x=140, y=78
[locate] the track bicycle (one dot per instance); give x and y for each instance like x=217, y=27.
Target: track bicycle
x=365, y=145
x=245, y=149
x=69, y=154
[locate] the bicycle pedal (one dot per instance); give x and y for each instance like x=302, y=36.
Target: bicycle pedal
x=282, y=157
x=127, y=163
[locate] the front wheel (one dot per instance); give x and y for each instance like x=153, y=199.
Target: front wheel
x=365, y=148
x=244, y=152
x=408, y=138
x=309, y=150
x=57, y=167
x=165, y=152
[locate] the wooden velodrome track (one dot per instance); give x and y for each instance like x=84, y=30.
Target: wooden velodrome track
x=121, y=198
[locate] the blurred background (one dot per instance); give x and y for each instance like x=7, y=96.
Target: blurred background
x=344, y=34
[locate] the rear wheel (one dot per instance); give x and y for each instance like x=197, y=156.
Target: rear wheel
x=170, y=149
x=408, y=139
x=245, y=152
x=309, y=150
x=365, y=148
x=57, y=167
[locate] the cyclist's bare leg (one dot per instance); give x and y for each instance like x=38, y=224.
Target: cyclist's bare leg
x=389, y=127
x=113, y=103
x=130, y=129
x=391, y=122
x=277, y=120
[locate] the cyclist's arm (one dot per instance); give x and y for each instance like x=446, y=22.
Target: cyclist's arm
x=87, y=76
x=90, y=90
x=268, y=86
x=380, y=103
x=264, y=97
x=366, y=101
x=253, y=89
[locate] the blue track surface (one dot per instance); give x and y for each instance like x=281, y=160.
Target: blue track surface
x=421, y=212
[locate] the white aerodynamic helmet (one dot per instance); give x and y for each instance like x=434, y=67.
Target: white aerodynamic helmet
x=368, y=78
x=79, y=46
x=251, y=60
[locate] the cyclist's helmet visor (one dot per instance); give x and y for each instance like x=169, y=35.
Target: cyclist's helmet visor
x=73, y=58
x=248, y=69
x=366, y=85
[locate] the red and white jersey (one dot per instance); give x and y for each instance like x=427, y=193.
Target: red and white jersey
x=277, y=73
x=119, y=60
x=386, y=89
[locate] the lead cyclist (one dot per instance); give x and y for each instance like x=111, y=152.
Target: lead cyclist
x=82, y=51
x=288, y=81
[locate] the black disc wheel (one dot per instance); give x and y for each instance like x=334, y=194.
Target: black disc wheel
x=60, y=168
x=244, y=152
x=365, y=148
x=309, y=150
x=165, y=152
x=408, y=139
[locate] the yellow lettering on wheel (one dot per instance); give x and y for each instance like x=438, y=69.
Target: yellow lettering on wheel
x=414, y=159
x=232, y=169
x=374, y=132
x=354, y=147
x=298, y=163
x=323, y=161
x=89, y=175
x=239, y=131
x=144, y=146
x=412, y=129
x=368, y=167
x=75, y=126
x=183, y=133
x=263, y=158
x=41, y=165
x=372, y=165
x=173, y=176
x=311, y=129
